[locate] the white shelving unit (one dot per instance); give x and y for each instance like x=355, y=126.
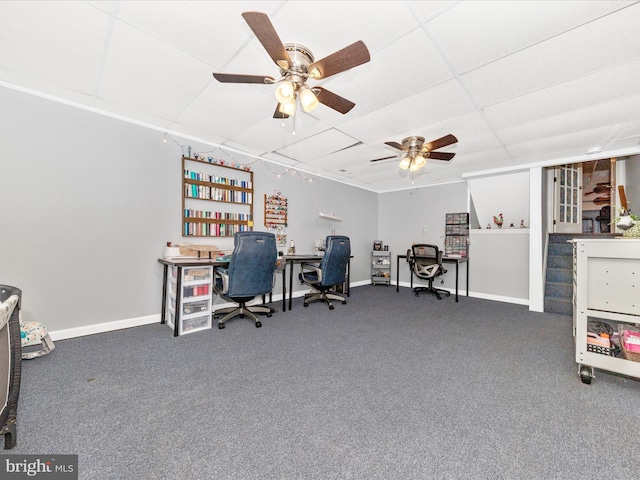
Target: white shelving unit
x=607, y=288
x=380, y=267
x=188, y=307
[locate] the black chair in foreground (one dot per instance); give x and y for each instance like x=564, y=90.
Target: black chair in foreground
x=426, y=264
x=331, y=271
x=250, y=273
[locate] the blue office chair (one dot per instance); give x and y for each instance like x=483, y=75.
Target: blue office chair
x=250, y=273
x=331, y=271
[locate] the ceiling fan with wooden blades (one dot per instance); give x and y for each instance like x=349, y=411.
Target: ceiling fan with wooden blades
x=415, y=152
x=297, y=64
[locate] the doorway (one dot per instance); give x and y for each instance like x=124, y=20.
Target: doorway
x=583, y=198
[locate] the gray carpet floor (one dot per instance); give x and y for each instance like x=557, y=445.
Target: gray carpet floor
x=388, y=386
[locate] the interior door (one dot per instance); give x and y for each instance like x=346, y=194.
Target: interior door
x=568, y=199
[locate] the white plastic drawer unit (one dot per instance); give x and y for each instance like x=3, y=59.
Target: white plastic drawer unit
x=613, y=285
x=197, y=306
x=194, y=324
x=196, y=274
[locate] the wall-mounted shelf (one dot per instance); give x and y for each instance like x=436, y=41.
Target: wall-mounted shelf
x=217, y=200
x=275, y=210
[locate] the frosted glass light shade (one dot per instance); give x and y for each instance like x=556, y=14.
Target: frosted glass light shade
x=285, y=92
x=404, y=164
x=419, y=161
x=308, y=100
x=288, y=108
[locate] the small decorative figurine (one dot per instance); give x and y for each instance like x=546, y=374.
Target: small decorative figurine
x=522, y=225
x=488, y=226
x=512, y=226
x=498, y=220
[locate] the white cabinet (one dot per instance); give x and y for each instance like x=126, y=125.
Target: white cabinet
x=606, y=288
x=380, y=267
x=188, y=298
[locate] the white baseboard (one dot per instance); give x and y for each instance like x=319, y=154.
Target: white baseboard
x=462, y=292
x=155, y=318
x=103, y=327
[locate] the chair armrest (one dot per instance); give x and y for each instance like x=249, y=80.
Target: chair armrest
x=309, y=267
x=223, y=275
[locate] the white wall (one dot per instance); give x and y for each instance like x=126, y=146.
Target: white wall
x=499, y=268
x=418, y=215
x=507, y=194
x=89, y=202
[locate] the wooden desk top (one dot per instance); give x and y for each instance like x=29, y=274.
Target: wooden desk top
x=192, y=262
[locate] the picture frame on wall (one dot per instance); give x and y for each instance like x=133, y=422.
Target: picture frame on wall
x=377, y=245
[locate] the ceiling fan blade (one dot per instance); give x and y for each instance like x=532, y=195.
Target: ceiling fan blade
x=441, y=142
x=332, y=100
x=239, y=78
x=263, y=29
x=384, y=158
x=278, y=113
x=397, y=145
x=349, y=57
x=441, y=155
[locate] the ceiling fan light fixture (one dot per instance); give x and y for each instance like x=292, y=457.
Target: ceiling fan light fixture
x=285, y=92
x=288, y=108
x=419, y=161
x=315, y=73
x=308, y=99
x=404, y=163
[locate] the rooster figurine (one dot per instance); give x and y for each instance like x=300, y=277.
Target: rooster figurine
x=498, y=220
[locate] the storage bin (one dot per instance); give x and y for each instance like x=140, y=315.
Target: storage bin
x=195, y=324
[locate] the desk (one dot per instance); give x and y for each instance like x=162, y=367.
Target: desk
x=456, y=260
x=291, y=260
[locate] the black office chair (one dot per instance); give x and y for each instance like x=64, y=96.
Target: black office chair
x=331, y=271
x=426, y=264
x=604, y=219
x=250, y=273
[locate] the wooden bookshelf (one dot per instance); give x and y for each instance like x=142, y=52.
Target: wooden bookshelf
x=217, y=200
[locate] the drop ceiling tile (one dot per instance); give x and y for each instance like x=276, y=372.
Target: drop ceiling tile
x=318, y=145
x=611, y=40
x=472, y=34
x=211, y=31
x=433, y=105
x=345, y=159
x=147, y=75
x=41, y=41
x=328, y=26
x=216, y=109
x=270, y=134
x=604, y=85
x=374, y=87
x=610, y=113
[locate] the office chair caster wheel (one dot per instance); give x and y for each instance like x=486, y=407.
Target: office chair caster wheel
x=306, y=304
x=344, y=302
x=331, y=307
x=586, y=374
x=258, y=324
x=220, y=326
x=268, y=314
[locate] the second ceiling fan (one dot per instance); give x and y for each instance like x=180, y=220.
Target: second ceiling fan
x=415, y=152
x=297, y=65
